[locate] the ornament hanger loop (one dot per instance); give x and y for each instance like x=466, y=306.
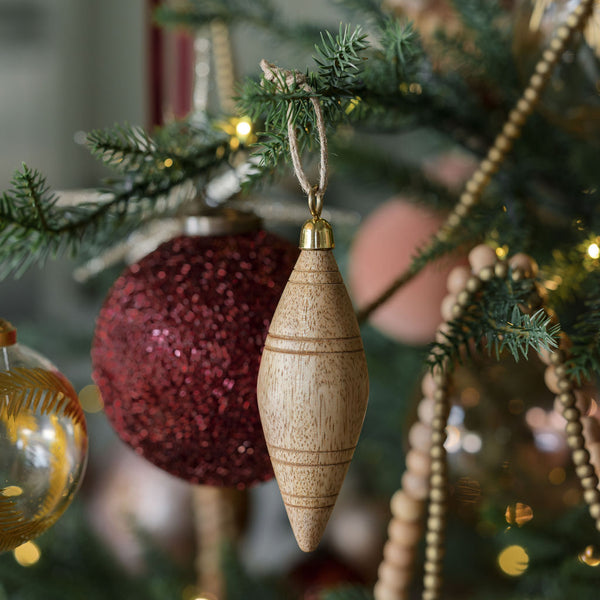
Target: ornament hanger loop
x=315, y=202
x=286, y=79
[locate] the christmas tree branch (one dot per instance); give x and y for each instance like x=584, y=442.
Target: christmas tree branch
x=259, y=13
x=495, y=317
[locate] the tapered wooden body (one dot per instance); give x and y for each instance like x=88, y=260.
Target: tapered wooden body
x=312, y=392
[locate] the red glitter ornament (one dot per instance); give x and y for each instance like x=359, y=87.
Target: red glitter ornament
x=177, y=349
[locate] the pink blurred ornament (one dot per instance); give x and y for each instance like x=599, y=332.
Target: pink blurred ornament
x=451, y=169
x=382, y=250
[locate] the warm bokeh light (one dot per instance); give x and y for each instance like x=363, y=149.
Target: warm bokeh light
x=557, y=476
x=518, y=514
x=90, y=399
x=168, y=162
x=27, y=554
x=513, y=560
x=243, y=128
x=501, y=251
x=589, y=557
x=593, y=250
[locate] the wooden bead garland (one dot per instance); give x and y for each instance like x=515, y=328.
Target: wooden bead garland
x=419, y=483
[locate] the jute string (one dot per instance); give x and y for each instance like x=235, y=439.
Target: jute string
x=286, y=80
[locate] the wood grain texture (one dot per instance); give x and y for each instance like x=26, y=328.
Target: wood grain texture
x=312, y=392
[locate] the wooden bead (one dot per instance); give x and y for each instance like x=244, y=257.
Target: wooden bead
x=415, y=485
x=463, y=299
x=580, y=457
x=404, y=533
x=563, y=33
x=591, y=496
x=524, y=106
x=434, y=538
x=481, y=256
x=473, y=284
x=437, y=452
x=480, y=177
x=516, y=117
x=549, y=56
x=574, y=428
x=383, y=592
x=510, y=130
x=405, y=507
x=474, y=186
x=425, y=410
x=440, y=468
x=566, y=400
x=432, y=581
x=572, y=21
x=501, y=270
x=558, y=357
x=437, y=495
x=584, y=471
x=488, y=167
x=457, y=311
x=419, y=436
x=432, y=566
x=434, y=553
x=439, y=395
x=575, y=442
x=461, y=210
x=589, y=483
x=571, y=414
x=438, y=438
x=468, y=199
x=536, y=81
x=312, y=392
x=401, y=557
x=437, y=509
x=486, y=274
x=542, y=67
x=453, y=220
x=436, y=524
x=457, y=279
x=504, y=142
x=551, y=379
x=442, y=333
x=418, y=462
x=595, y=510
x=394, y=578
x=447, y=307
x=531, y=95
x=495, y=155
x=436, y=480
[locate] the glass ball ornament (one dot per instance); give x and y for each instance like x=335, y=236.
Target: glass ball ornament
x=571, y=99
x=43, y=442
x=177, y=348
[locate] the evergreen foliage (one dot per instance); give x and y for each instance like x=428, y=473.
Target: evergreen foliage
x=376, y=81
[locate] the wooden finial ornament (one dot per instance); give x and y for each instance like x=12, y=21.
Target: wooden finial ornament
x=313, y=381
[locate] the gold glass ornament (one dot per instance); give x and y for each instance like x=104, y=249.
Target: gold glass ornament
x=572, y=97
x=43, y=442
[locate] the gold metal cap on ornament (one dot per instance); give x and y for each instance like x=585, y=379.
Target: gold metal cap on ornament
x=316, y=234
x=8, y=334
